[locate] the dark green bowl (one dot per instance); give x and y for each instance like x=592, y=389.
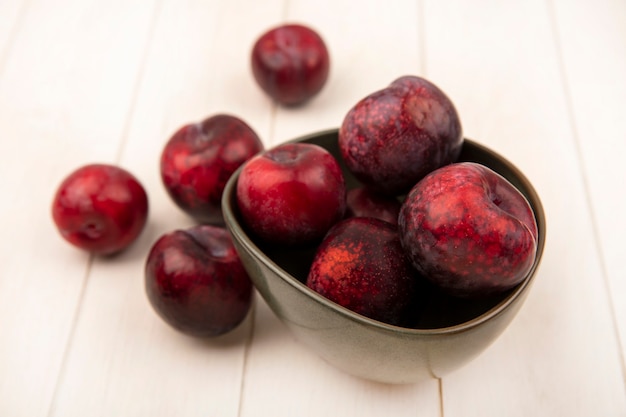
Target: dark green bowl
x=450, y=332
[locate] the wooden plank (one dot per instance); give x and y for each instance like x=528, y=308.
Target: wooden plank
x=499, y=63
x=197, y=65
x=65, y=71
x=593, y=51
x=362, y=61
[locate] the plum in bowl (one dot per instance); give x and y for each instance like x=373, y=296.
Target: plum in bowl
x=447, y=332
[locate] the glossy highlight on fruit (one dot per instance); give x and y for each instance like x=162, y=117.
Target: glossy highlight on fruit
x=469, y=230
x=291, y=194
x=394, y=137
x=100, y=208
x=196, y=283
x=290, y=63
x=198, y=160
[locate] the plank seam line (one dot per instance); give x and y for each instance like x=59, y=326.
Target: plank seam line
x=586, y=187
x=138, y=80
x=440, y=386
x=246, y=355
x=272, y=127
x=70, y=337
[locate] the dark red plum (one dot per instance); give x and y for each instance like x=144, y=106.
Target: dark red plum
x=394, y=137
x=468, y=230
x=291, y=194
x=198, y=160
x=363, y=202
x=361, y=265
x=100, y=208
x=290, y=63
x=196, y=282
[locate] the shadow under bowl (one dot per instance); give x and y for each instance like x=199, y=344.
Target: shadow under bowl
x=447, y=332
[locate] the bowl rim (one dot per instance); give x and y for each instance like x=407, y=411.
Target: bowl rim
x=244, y=239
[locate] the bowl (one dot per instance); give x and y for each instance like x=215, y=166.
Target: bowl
x=449, y=332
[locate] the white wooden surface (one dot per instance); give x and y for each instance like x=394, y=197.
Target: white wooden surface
x=542, y=82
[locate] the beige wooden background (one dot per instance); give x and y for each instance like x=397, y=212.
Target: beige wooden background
x=543, y=82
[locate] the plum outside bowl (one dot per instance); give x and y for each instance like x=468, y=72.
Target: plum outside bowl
x=451, y=332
